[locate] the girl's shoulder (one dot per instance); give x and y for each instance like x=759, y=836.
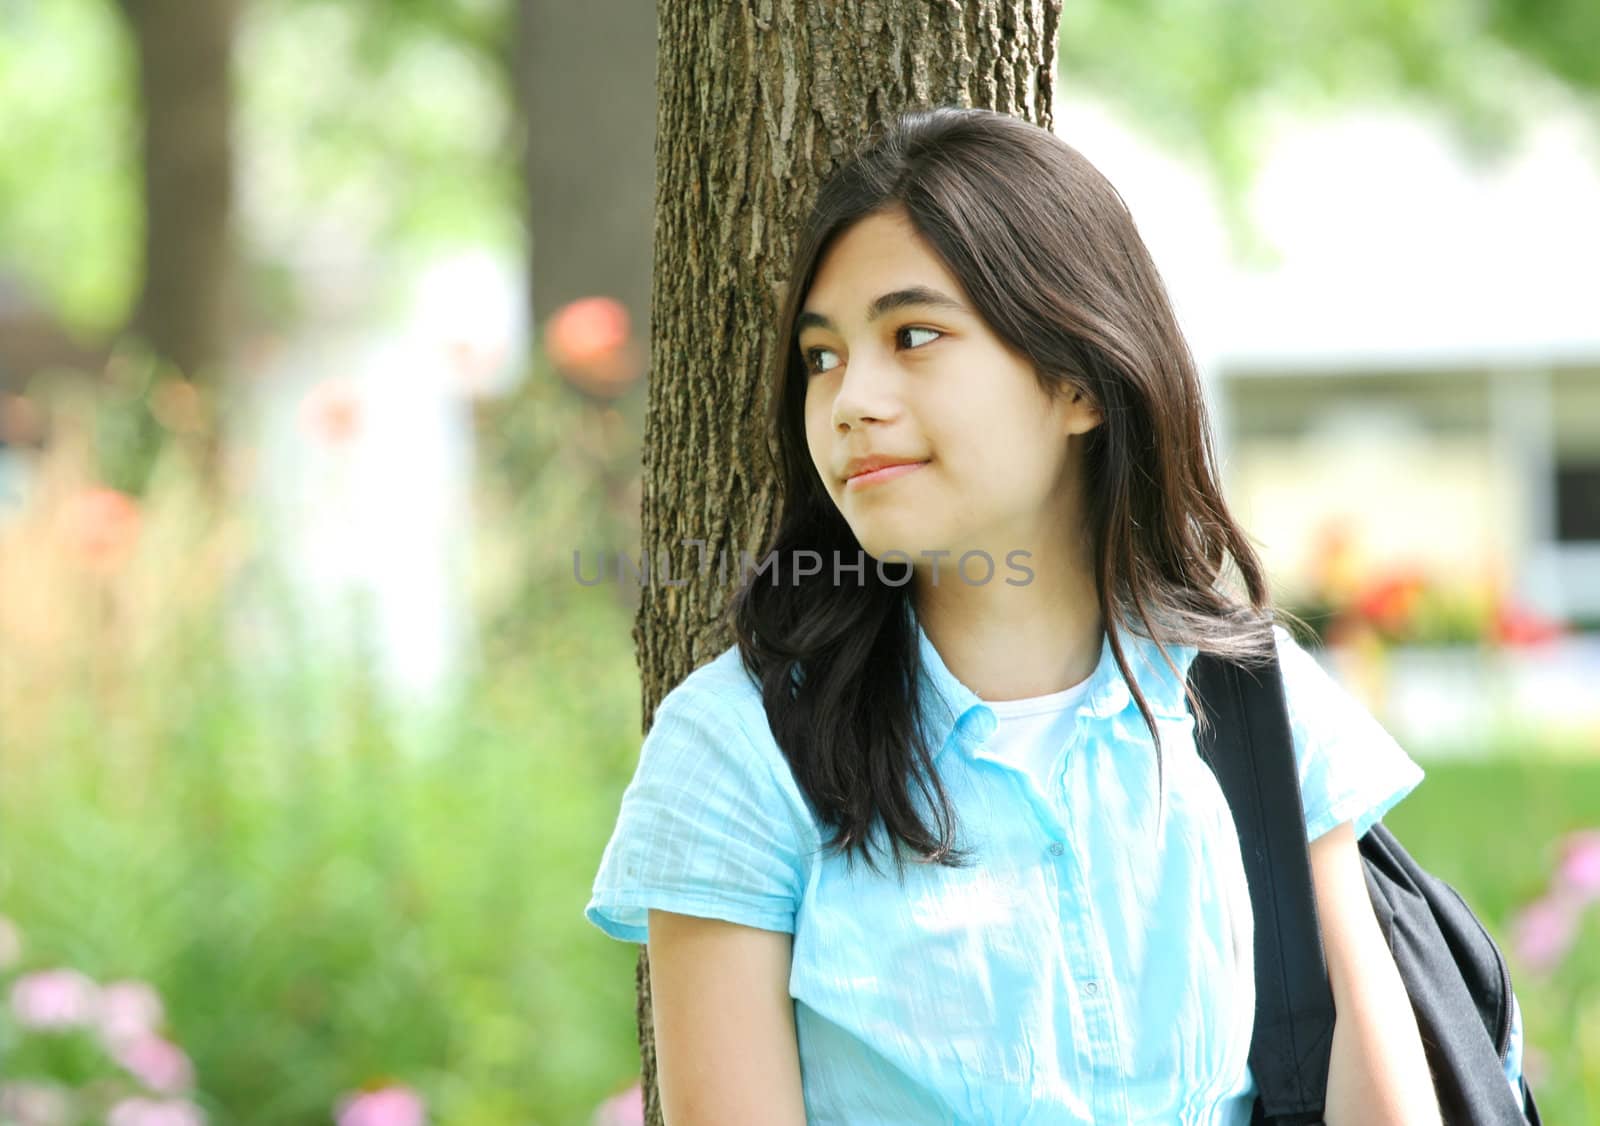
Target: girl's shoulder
x=712, y=822
x=715, y=718
x=722, y=695
x=722, y=681
x=1351, y=767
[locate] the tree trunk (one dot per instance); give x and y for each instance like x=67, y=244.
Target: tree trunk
x=185, y=53
x=757, y=102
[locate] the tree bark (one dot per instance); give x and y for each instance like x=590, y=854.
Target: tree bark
x=185, y=53
x=757, y=101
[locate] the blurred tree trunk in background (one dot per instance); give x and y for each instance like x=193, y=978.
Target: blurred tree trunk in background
x=185, y=53
x=585, y=80
x=754, y=110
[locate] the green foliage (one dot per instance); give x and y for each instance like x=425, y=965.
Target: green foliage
x=483, y=27
x=377, y=125
x=320, y=908
x=383, y=130
x=69, y=177
x=1559, y=35
x=1203, y=75
x=327, y=888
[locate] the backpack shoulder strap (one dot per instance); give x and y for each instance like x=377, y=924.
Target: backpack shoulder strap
x=1249, y=748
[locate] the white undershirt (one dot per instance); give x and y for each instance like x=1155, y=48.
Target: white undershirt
x=1031, y=734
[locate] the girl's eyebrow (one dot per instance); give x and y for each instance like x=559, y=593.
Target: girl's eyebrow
x=919, y=295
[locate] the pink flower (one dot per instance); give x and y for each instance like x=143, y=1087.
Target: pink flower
x=387, y=1106
x=1579, y=872
x=128, y=1010
x=35, y=1104
x=54, y=999
x=623, y=1109
x=155, y=1112
x=156, y=1062
x=10, y=943
x=1515, y=624
x=1543, y=933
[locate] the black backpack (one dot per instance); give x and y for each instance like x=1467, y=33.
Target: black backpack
x=1455, y=976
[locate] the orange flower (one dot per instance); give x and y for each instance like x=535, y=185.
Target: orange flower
x=589, y=342
x=1335, y=558
x=100, y=527
x=1390, y=603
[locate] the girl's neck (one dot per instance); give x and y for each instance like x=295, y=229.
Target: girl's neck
x=1013, y=643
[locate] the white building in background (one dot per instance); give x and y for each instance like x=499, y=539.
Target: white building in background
x=1422, y=362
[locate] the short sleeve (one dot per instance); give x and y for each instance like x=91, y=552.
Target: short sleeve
x=1351, y=769
x=703, y=829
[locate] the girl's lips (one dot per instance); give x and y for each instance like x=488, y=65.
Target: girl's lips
x=887, y=473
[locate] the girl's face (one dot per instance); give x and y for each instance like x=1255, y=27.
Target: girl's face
x=900, y=366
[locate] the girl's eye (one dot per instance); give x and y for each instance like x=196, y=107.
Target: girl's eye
x=811, y=354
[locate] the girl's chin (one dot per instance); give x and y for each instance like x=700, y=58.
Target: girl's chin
x=890, y=552
x=901, y=535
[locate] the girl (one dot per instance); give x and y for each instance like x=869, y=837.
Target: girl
x=932, y=843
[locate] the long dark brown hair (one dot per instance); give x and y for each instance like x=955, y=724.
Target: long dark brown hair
x=1050, y=257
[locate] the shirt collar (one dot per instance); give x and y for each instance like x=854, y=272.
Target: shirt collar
x=955, y=715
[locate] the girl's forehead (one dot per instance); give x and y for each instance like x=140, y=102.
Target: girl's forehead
x=872, y=281
x=880, y=237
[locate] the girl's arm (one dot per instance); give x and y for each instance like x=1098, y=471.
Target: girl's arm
x=1378, y=1074
x=726, y=1051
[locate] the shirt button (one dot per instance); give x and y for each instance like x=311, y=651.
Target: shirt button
x=1090, y=988
x=1057, y=848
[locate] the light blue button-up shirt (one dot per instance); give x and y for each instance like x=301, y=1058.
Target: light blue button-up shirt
x=1084, y=969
